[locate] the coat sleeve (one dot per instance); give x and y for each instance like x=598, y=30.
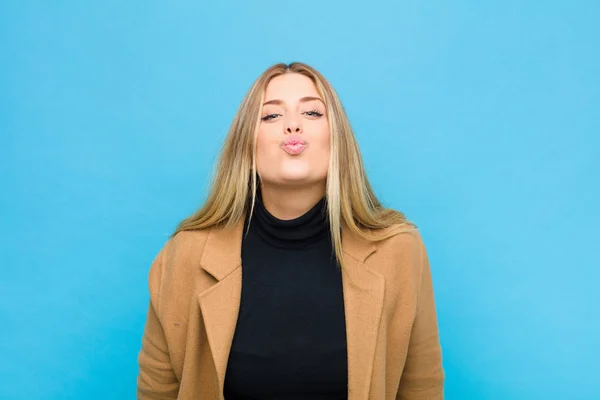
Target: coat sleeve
x=156, y=379
x=423, y=375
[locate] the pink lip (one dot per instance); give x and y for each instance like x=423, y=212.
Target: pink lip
x=293, y=139
x=294, y=145
x=294, y=149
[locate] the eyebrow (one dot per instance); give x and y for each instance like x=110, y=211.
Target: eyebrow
x=302, y=100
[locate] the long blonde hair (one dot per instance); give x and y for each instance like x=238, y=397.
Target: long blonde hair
x=350, y=199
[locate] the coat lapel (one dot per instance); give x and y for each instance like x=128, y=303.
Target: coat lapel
x=363, y=302
x=220, y=303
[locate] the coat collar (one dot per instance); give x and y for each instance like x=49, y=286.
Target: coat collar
x=222, y=252
x=363, y=300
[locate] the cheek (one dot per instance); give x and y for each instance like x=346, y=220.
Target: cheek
x=265, y=139
x=320, y=136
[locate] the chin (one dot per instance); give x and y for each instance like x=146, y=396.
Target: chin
x=295, y=174
x=295, y=179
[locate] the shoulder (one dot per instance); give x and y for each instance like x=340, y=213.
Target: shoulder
x=398, y=236
x=401, y=251
x=185, y=244
x=179, y=255
x=173, y=271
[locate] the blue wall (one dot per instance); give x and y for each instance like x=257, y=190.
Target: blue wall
x=479, y=120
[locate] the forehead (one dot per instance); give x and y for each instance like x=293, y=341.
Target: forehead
x=290, y=87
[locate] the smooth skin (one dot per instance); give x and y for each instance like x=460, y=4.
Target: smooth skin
x=292, y=184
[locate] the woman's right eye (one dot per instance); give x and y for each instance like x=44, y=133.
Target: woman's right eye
x=268, y=117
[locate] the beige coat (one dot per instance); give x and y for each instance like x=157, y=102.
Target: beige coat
x=195, y=285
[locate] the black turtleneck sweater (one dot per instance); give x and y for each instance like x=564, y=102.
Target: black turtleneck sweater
x=290, y=337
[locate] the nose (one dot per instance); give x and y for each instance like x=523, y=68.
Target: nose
x=293, y=126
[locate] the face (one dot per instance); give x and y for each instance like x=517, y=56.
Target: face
x=293, y=137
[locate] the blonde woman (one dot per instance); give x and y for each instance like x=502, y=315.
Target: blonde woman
x=292, y=281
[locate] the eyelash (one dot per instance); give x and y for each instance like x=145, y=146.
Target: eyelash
x=315, y=112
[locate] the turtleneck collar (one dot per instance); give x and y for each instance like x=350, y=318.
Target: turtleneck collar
x=301, y=232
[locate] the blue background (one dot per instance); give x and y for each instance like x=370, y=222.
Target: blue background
x=479, y=120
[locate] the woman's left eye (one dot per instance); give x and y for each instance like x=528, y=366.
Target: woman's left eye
x=314, y=113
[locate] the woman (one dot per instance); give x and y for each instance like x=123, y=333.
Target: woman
x=292, y=281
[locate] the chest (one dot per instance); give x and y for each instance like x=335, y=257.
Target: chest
x=290, y=334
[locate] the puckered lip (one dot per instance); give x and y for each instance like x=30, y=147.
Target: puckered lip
x=293, y=140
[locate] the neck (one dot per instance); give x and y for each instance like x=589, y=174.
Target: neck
x=285, y=203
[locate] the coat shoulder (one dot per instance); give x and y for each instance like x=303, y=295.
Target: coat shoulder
x=181, y=254
x=401, y=252
x=398, y=235
x=185, y=242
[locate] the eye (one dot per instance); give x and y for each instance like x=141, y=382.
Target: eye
x=314, y=113
x=269, y=117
